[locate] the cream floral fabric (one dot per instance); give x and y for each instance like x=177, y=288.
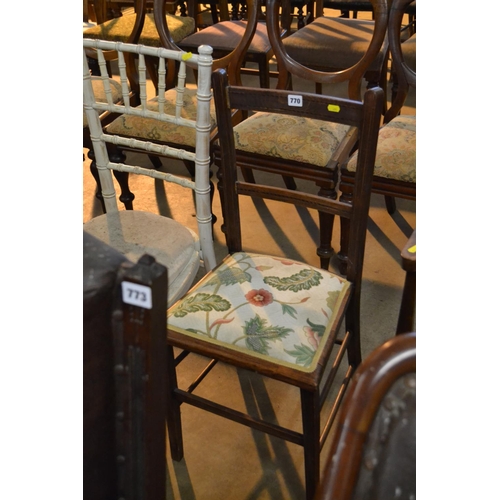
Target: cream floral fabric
x=100, y=96
x=265, y=306
x=289, y=137
x=119, y=29
x=154, y=130
x=396, y=150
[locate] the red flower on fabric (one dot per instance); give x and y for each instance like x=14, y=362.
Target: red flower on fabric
x=312, y=336
x=259, y=298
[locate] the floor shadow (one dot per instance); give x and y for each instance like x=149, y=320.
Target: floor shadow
x=258, y=403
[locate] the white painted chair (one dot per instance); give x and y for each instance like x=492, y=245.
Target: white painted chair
x=135, y=232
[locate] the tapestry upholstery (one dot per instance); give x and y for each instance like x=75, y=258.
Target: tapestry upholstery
x=289, y=137
x=157, y=131
x=100, y=95
x=265, y=306
x=396, y=150
x=119, y=29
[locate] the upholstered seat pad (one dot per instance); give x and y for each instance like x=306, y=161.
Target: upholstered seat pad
x=158, y=131
x=396, y=150
x=332, y=43
x=120, y=29
x=226, y=35
x=409, y=49
x=265, y=306
x=289, y=137
x=100, y=94
x=134, y=233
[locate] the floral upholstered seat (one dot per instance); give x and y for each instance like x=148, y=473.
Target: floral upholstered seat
x=396, y=151
x=289, y=137
x=119, y=29
x=265, y=306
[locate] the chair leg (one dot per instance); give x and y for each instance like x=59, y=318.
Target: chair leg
x=264, y=74
x=390, y=204
x=346, y=197
x=407, y=310
x=126, y=196
x=174, y=424
x=325, y=249
x=311, y=407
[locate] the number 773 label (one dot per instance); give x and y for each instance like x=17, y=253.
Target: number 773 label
x=137, y=295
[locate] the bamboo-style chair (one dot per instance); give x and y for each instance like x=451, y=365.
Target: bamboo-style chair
x=169, y=134
x=271, y=315
x=134, y=232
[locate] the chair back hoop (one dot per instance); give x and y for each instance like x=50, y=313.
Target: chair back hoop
x=233, y=61
x=354, y=74
x=363, y=115
x=406, y=77
x=372, y=382
x=202, y=124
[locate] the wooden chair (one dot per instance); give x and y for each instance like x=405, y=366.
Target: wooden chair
x=121, y=28
x=407, y=311
x=134, y=232
x=224, y=36
x=271, y=315
x=124, y=438
x=144, y=127
x=303, y=147
x=373, y=451
x=395, y=166
x=336, y=43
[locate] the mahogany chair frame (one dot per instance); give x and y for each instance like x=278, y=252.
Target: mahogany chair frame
x=372, y=382
x=364, y=115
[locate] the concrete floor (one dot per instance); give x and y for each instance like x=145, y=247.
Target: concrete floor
x=224, y=460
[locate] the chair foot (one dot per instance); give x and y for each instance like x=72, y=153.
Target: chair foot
x=390, y=203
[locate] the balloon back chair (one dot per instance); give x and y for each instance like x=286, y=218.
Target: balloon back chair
x=336, y=43
x=135, y=232
x=271, y=315
x=373, y=452
x=304, y=147
x=395, y=166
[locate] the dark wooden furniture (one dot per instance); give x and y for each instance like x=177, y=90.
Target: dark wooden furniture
x=224, y=36
x=373, y=451
x=406, y=319
x=256, y=312
x=395, y=174
x=123, y=376
x=335, y=43
x=307, y=149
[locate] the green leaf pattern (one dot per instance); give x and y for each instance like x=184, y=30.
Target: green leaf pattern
x=304, y=280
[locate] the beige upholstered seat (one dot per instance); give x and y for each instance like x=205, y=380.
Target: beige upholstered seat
x=396, y=152
x=135, y=233
x=119, y=29
x=100, y=93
